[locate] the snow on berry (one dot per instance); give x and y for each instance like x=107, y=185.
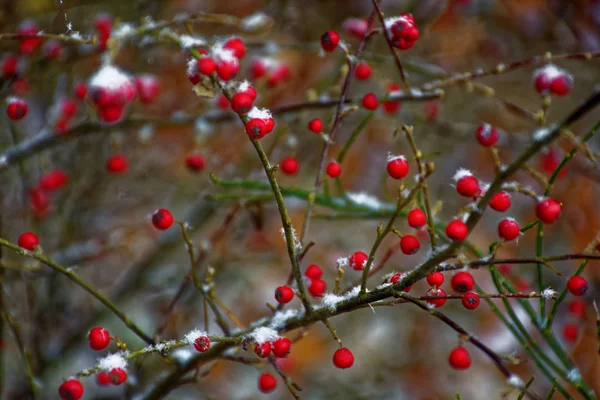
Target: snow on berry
x=500, y=201
x=16, y=109
x=487, y=135
x=112, y=361
x=508, y=229
x=551, y=79
x=260, y=123
x=548, y=210
x=397, y=166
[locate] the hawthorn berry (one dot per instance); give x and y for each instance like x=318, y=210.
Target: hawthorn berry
x=508, y=229
x=71, y=389
x=117, y=164
x=99, y=338
x=392, y=106
x=162, y=219
x=202, y=343
x=459, y=358
x=290, y=165
x=487, y=135
x=263, y=349
x=228, y=68
x=571, y=332
x=577, y=307
x=39, y=200
x=334, y=169
x=467, y=186
x=28, y=241
x=343, y=358
x=315, y=125
x=28, y=45
x=550, y=79
x=404, y=31
x=206, y=66
x=313, y=272
x=16, y=109
x=470, y=300
x=117, y=376
x=282, y=347
x=457, y=230
x=258, y=69
x=437, y=303
x=102, y=378
x=548, y=210
x=395, y=278
x=409, y=244
x=330, y=41
x=284, y=294
x=148, y=88
x=577, y=285
x=435, y=279
x=397, y=167
x=416, y=218
x=370, y=101
x=357, y=260
x=462, y=282
x=111, y=114
x=259, y=124
x=80, y=91
x=267, y=383
x=67, y=108
x=9, y=66
x=103, y=27
x=237, y=46
x=362, y=71
x=562, y=85
x=500, y=201
x=241, y=102
x=317, y=287
x=195, y=162
x=53, y=180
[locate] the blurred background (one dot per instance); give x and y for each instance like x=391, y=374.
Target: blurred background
x=98, y=224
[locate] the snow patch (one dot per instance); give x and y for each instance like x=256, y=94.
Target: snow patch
x=116, y=360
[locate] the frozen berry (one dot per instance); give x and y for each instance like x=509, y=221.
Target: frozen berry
x=281, y=347
x=437, y=303
x=508, y=229
x=486, y=135
x=117, y=376
x=202, y=344
x=397, y=167
x=467, y=186
x=263, y=349
x=237, y=46
x=16, y=109
x=357, y=260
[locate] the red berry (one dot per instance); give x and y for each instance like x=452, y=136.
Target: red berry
x=577, y=307
x=202, y=343
x=392, y=106
x=561, y=85
x=317, y=287
x=549, y=161
x=542, y=83
x=162, y=219
x=470, y=300
x=457, y=230
x=315, y=125
x=29, y=44
x=102, y=378
x=117, y=164
x=16, y=109
x=10, y=64
x=195, y=162
x=397, y=167
x=313, y=272
x=249, y=90
x=357, y=260
x=571, y=332
x=117, y=376
x=284, y=294
x=370, y=101
x=435, y=279
x=227, y=69
x=395, y=278
x=237, y=46
x=71, y=389
x=281, y=347
x=256, y=128
x=263, y=349
x=148, y=87
x=80, y=91
x=462, y=282
x=409, y=244
x=362, y=71
x=343, y=358
x=334, y=169
x=53, y=180
x=267, y=383
x=258, y=69
x=508, y=229
x=111, y=113
x=330, y=40
x=103, y=27
x=577, y=285
x=486, y=135
x=437, y=303
x=241, y=102
x=404, y=32
x=40, y=202
x=67, y=108
x=468, y=186
x=548, y=210
x=290, y=165
x=206, y=66
x=28, y=241
x=500, y=201
x=459, y=358
x=416, y=218
x=99, y=338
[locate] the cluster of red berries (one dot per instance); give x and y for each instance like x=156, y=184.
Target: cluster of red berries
x=275, y=71
x=404, y=31
x=550, y=79
x=224, y=60
x=39, y=195
x=316, y=286
x=280, y=348
x=577, y=286
x=112, y=91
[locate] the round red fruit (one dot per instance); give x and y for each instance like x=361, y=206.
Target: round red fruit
x=241, y=102
x=437, y=303
x=397, y=167
x=330, y=40
x=317, y=287
x=237, y=46
x=28, y=241
x=457, y=230
x=577, y=285
x=284, y=294
x=290, y=165
x=263, y=349
x=206, y=66
x=117, y=376
x=470, y=300
x=162, y=219
x=561, y=85
x=416, y=218
x=487, y=135
x=571, y=332
x=435, y=279
x=315, y=125
x=357, y=260
x=468, y=186
x=577, y=307
x=343, y=358
x=459, y=358
x=71, y=389
x=508, y=229
x=462, y=282
x=202, y=344
x=282, y=347
x=362, y=71
x=102, y=378
x=99, y=338
x=117, y=164
x=334, y=169
x=548, y=210
x=409, y=244
x=267, y=383
x=313, y=272
x=16, y=109
x=500, y=201
x=370, y=101
x=195, y=162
